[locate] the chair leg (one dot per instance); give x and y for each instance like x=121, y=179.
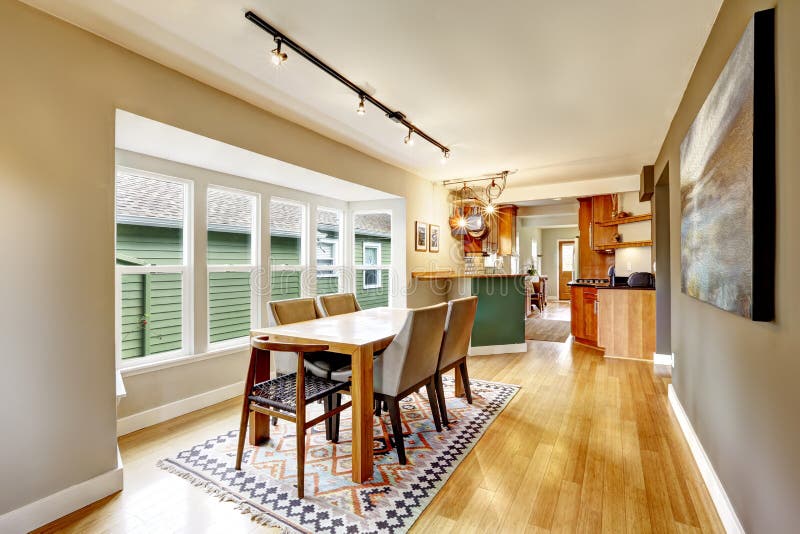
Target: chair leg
x=431, y=389
x=465, y=380
x=440, y=398
x=337, y=401
x=301, y=458
x=397, y=429
x=378, y=406
x=242, y=432
x=327, y=403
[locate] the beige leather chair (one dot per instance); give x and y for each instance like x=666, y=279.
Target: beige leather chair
x=455, y=345
x=407, y=364
x=338, y=304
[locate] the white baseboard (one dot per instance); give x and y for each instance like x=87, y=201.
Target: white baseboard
x=664, y=359
x=498, y=349
x=66, y=501
x=725, y=509
x=159, y=414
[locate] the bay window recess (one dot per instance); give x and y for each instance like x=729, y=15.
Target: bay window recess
x=153, y=266
x=232, y=260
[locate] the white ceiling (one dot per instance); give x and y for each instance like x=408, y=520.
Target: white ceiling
x=562, y=91
x=146, y=136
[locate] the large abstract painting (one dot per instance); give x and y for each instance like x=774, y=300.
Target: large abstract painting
x=728, y=183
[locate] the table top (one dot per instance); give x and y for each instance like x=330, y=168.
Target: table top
x=353, y=329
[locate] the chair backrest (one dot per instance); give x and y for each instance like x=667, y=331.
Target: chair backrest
x=537, y=287
x=457, y=330
x=413, y=354
x=338, y=304
x=288, y=312
x=293, y=311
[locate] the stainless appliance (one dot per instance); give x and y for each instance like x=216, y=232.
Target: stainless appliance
x=641, y=280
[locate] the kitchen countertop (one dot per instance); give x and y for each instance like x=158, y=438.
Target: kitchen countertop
x=450, y=275
x=608, y=286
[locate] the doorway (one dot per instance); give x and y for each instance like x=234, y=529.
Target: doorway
x=662, y=266
x=566, y=267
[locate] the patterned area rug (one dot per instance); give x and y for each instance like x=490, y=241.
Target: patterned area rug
x=547, y=330
x=390, y=502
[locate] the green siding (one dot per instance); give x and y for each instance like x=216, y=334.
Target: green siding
x=284, y=251
x=500, y=317
x=228, y=248
x=151, y=325
x=152, y=245
x=228, y=306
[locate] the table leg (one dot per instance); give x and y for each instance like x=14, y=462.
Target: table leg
x=459, y=386
x=259, y=423
x=361, y=392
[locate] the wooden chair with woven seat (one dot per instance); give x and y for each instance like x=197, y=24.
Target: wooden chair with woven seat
x=321, y=364
x=455, y=346
x=338, y=304
x=287, y=396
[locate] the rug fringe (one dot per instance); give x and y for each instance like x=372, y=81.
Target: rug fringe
x=259, y=516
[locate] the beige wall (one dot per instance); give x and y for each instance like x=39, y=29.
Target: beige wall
x=634, y=259
x=60, y=88
x=737, y=379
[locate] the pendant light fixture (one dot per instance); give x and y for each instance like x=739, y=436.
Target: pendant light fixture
x=278, y=57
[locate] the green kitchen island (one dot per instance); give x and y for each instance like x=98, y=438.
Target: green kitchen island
x=500, y=321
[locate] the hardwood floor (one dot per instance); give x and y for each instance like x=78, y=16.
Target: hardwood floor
x=556, y=310
x=588, y=445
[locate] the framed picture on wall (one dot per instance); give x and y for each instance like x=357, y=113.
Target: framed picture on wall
x=420, y=236
x=433, y=238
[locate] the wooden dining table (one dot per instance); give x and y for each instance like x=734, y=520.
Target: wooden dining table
x=359, y=334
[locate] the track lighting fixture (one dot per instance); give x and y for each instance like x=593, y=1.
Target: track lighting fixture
x=445, y=156
x=489, y=209
x=278, y=57
x=408, y=139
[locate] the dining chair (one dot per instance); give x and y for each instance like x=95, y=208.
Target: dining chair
x=287, y=396
x=321, y=364
x=407, y=364
x=454, y=348
x=537, y=295
x=338, y=304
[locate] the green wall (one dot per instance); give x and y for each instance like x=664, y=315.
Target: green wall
x=500, y=317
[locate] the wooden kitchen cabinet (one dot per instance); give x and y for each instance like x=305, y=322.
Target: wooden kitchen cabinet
x=591, y=263
x=507, y=230
x=584, y=314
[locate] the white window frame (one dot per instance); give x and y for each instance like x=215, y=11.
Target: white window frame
x=304, y=244
x=253, y=266
x=186, y=270
x=379, y=250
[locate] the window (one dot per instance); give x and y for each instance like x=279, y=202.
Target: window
x=372, y=256
x=153, y=273
x=329, y=231
x=232, y=258
x=372, y=237
x=287, y=223
x=567, y=257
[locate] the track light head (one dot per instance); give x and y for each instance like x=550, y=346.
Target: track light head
x=408, y=139
x=361, y=109
x=276, y=56
x=445, y=156
x=489, y=209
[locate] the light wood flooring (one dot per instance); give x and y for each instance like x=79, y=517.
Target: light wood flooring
x=587, y=445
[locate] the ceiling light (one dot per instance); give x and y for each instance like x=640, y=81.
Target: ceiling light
x=408, y=139
x=445, y=156
x=278, y=57
x=361, y=109
x=462, y=222
x=489, y=209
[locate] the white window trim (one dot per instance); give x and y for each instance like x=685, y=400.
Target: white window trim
x=187, y=279
x=377, y=267
x=254, y=266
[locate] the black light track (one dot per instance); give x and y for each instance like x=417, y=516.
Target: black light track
x=396, y=116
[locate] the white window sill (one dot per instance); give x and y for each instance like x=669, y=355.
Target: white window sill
x=149, y=367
